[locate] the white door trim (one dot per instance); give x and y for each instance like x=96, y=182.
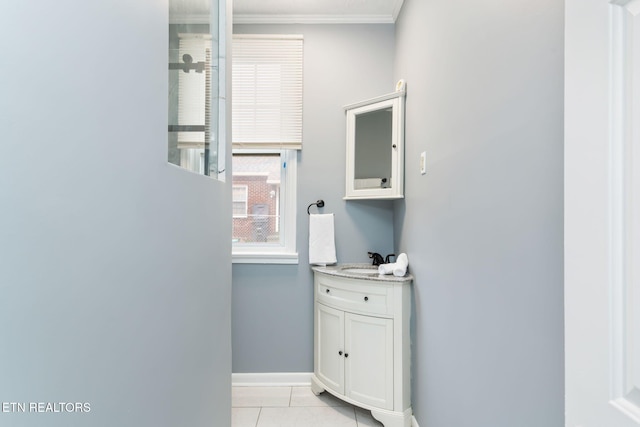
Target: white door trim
x=602, y=212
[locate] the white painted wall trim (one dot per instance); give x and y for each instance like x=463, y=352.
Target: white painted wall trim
x=313, y=19
x=396, y=11
x=414, y=422
x=330, y=12
x=271, y=379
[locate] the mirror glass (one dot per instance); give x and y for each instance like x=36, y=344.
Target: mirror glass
x=372, y=160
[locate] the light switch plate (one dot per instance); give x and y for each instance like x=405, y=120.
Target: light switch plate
x=423, y=163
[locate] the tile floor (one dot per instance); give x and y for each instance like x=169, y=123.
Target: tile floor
x=294, y=407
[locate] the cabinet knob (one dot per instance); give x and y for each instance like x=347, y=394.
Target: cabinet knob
x=327, y=290
x=366, y=298
x=340, y=353
x=394, y=145
x=346, y=355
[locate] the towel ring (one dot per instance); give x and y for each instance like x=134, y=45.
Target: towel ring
x=319, y=203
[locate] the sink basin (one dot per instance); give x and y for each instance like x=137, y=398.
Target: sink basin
x=369, y=269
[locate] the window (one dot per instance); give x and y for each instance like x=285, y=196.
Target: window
x=264, y=210
x=240, y=201
x=267, y=134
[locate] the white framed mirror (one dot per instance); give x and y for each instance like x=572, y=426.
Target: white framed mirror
x=375, y=147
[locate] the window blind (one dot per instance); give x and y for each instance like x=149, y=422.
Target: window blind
x=267, y=91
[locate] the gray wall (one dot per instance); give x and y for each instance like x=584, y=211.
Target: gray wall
x=483, y=227
x=273, y=304
x=115, y=266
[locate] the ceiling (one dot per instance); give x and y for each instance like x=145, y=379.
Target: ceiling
x=316, y=11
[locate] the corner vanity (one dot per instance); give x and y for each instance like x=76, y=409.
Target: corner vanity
x=361, y=340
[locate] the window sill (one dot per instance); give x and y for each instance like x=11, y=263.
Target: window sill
x=265, y=258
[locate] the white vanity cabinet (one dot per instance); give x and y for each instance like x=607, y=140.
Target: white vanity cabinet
x=361, y=344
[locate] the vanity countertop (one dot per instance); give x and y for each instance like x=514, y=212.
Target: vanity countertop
x=343, y=270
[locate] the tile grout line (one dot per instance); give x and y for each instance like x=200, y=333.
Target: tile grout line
x=303, y=403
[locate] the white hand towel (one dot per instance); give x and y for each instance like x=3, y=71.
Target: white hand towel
x=386, y=268
x=402, y=262
x=322, y=246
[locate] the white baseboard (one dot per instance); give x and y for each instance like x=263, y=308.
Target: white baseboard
x=271, y=379
x=414, y=422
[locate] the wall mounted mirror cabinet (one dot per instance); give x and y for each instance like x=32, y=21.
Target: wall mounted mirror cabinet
x=375, y=147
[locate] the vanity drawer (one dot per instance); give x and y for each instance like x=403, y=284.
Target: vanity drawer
x=354, y=295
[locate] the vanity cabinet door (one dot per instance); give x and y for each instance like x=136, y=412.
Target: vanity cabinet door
x=369, y=360
x=330, y=347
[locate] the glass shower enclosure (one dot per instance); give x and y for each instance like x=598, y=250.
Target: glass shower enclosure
x=196, y=109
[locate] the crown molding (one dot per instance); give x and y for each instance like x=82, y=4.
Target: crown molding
x=397, y=8
x=315, y=19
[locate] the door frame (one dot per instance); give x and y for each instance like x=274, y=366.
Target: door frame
x=602, y=363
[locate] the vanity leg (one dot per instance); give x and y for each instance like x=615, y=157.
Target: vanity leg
x=316, y=388
x=393, y=419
